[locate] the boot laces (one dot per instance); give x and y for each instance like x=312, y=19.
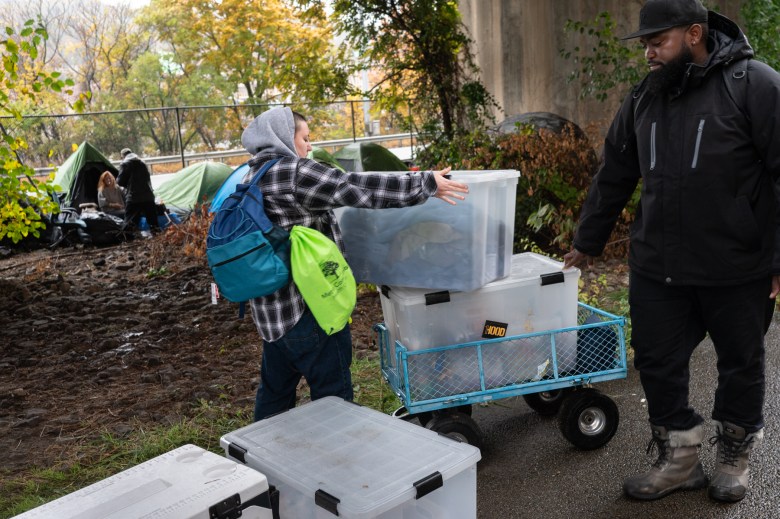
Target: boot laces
x=730, y=449
x=662, y=447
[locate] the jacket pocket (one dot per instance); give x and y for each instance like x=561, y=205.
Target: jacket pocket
x=696, y=149
x=652, y=146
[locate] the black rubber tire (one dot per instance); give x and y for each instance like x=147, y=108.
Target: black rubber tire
x=546, y=403
x=588, y=418
x=426, y=416
x=458, y=426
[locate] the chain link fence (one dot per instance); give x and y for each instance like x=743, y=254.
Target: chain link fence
x=170, y=138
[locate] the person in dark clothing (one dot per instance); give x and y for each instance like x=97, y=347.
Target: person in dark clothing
x=134, y=176
x=705, y=251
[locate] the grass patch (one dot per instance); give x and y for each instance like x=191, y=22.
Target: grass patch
x=108, y=454
x=370, y=387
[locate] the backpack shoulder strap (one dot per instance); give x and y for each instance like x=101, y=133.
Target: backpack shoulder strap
x=735, y=78
x=263, y=170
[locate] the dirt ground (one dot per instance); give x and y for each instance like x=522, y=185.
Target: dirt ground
x=91, y=342
x=117, y=338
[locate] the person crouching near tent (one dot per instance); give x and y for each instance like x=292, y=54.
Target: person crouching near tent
x=111, y=197
x=300, y=191
x=134, y=176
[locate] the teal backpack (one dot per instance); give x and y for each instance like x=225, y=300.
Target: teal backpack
x=249, y=256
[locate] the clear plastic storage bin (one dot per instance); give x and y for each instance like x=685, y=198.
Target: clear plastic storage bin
x=537, y=296
x=188, y=482
x=333, y=458
x=435, y=245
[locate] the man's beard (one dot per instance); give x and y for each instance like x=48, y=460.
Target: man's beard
x=671, y=74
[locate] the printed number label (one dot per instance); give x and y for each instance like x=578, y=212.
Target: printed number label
x=494, y=330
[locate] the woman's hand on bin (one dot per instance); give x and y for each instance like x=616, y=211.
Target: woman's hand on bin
x=447, y=189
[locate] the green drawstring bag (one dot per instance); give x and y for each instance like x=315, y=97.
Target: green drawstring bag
x=323, y=277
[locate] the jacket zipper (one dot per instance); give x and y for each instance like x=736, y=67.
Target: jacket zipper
x=245, y=253
x=652, y=147
x=698, y=144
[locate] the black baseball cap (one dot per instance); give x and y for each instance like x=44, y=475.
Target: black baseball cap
x=660, y=15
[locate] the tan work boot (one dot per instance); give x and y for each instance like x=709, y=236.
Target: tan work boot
x=677, y=467
x=730, y=480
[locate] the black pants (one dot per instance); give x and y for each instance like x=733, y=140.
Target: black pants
x=135, y=210
x=668, y=323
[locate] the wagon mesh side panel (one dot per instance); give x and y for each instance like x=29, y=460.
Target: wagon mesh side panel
x=443, y=373
x=598, y=348
x=593, y=346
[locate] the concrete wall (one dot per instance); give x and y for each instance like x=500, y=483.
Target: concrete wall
x=518, y=43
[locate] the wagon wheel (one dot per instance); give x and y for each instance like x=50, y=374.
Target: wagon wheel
x=546, y=403
x=458, y=426
x=426, y=416
x=588, y=418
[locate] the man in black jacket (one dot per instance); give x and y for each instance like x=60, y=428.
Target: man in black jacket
x=135, y=178
x=701, y=132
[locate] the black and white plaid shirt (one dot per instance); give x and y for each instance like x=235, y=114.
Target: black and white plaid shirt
x=304, y=192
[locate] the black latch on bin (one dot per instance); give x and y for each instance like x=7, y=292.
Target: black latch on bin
x=239, y=453
x=327, y=501
x=552, y=278
x=434, y=298
x=232, y=508
x=229, y=508
x=385, y=290
x=428, y=484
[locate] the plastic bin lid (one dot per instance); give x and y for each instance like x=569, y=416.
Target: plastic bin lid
x=526, y=268
x=532, y=265
x=366, y=459
x=182, y=483
x=487, y=175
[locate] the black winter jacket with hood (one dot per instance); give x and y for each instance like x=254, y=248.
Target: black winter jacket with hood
x=135, y=178
x=708, y=211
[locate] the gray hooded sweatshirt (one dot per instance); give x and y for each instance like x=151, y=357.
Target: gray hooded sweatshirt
x=272, y=132
x=300, y=191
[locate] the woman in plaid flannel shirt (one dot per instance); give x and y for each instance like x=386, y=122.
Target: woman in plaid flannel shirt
x=300, y=191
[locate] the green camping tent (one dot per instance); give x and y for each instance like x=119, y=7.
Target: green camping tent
x=78, y=176
x=368, y=156
x=196, y=184
x=323, y=157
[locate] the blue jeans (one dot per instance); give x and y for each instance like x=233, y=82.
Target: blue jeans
x=304, y=351
x=670, y=321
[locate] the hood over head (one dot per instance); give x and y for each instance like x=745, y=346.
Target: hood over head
x=273, y=131
x=730, y=43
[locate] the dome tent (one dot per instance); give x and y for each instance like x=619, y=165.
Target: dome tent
x=323, y=157
x=368, y=156
x=78, y=176
x=194, y=185
x=228, y=187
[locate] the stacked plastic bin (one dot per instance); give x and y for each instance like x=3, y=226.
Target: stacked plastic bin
x=437, y=246
x=447, y=276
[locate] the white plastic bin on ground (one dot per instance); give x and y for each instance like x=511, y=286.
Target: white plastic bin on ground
x=330, y=457
x=188, y=482
x=435, y=245
x=537, y=296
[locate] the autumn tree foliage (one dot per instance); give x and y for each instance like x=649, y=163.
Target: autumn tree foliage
x=22, y=80
x=274, y=50
x=423, y=52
